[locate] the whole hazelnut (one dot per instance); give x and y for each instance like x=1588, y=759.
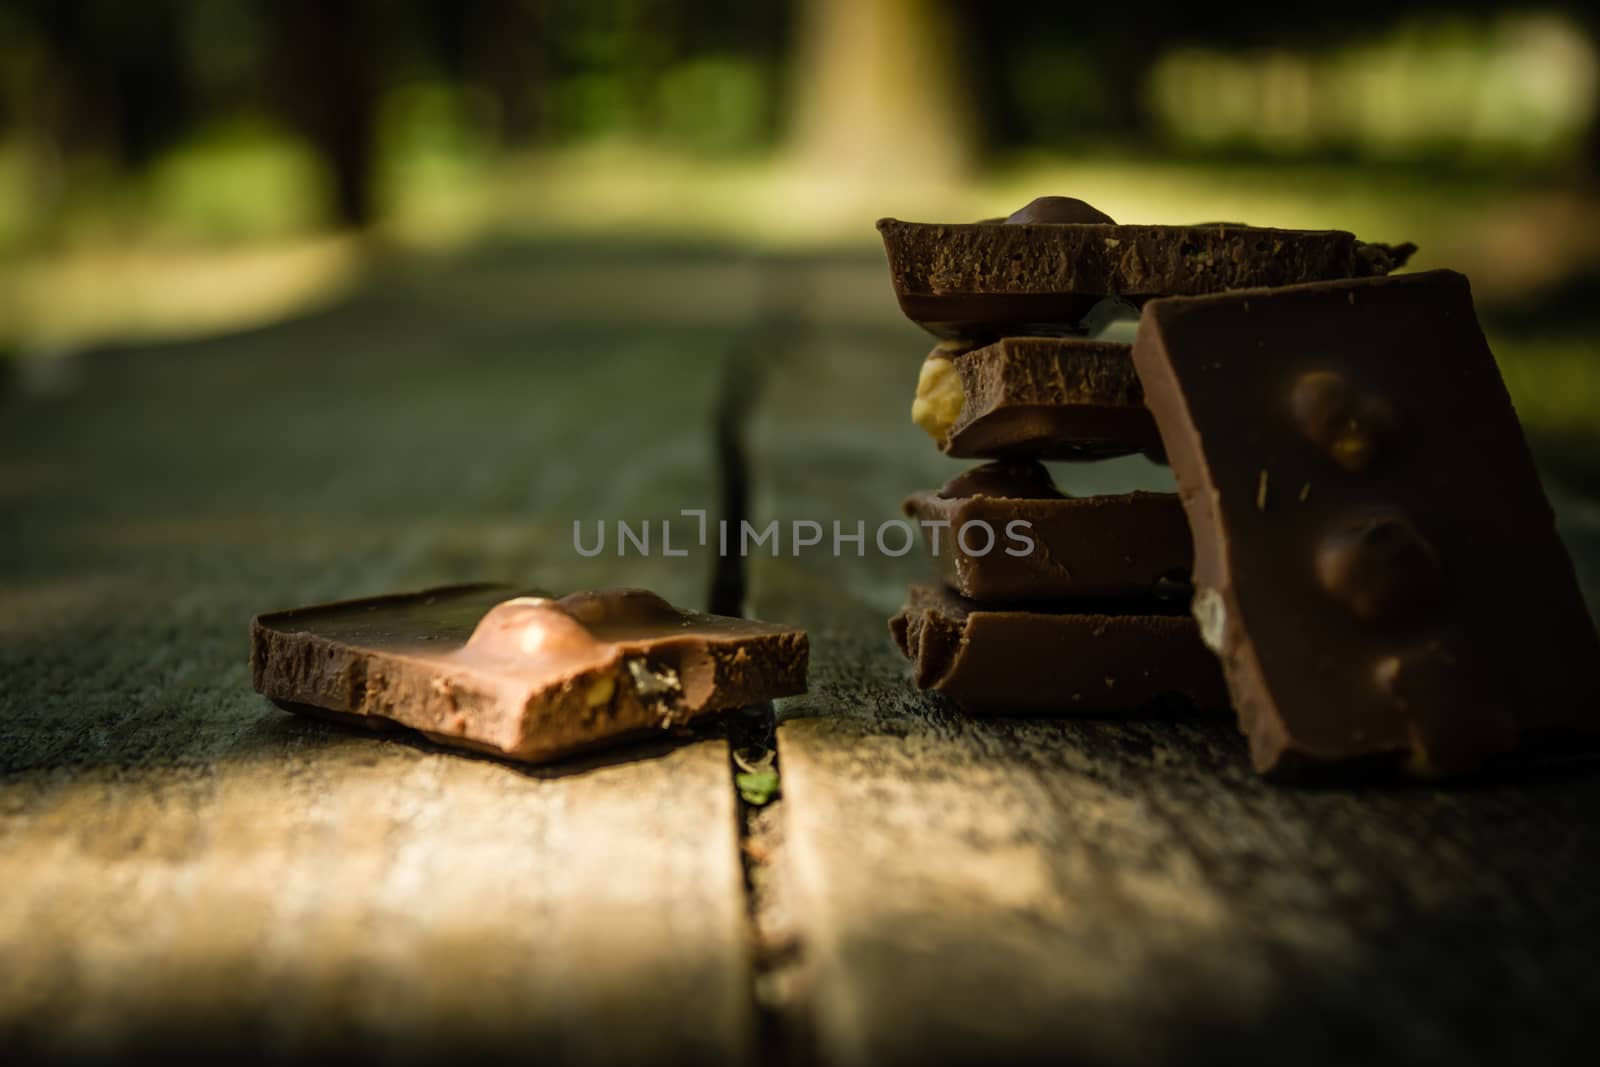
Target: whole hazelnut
x=1381, y=568
x=617, y=606
x=1059, y=209
x=1453, y=720
x=1348, y=424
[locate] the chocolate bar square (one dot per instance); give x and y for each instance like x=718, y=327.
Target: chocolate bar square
x=1375, y=559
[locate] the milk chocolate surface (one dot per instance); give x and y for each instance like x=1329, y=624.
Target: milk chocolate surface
x=1005, y=533
x=1035, y=397
x=1112, y=659
x=522, y=675
x=986, y=280
x=1375, y=560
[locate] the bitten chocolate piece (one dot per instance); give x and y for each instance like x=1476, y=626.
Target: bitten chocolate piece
x=521, y=675
x=986, y=280
x=1036, y=397
x=1116, y=658
x=1004, y=532
x=1375, y=560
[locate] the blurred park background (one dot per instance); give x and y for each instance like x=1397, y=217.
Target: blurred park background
x=175, y=168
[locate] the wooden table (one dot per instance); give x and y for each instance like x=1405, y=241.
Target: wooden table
x=183, y=866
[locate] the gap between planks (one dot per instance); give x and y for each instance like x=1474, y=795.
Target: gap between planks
x=777, y=992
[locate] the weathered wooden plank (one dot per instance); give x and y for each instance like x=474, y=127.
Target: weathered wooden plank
x=972, y=890
x=184, y=865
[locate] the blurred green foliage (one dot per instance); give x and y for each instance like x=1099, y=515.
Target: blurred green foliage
x=1468, y=125
x=236, y=179
x=1517, y=90
x=717, y=105
x=165, y=106
x=103, y=101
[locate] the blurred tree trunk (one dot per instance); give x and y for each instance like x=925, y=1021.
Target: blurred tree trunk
x=1591, y=144
x=1591, y=24
x=510, y=53
x=329, y=77
x=1123, y=71
x=879, y=89
x=115, y=80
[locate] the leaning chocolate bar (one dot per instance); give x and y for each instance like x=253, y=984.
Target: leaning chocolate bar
x=1003, y=532
x=987, y=280
x=521, y=675
x=1375, y=560
x=1085, y=660
x=1035, y=397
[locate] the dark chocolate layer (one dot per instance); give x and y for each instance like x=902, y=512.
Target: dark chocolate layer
x=1376, y=562
x=1051, y=661
x=1035, y=397
x=524, y=676
x=1006, y=537
x=988, y=280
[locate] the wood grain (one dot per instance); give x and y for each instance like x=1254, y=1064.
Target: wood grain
x=186, y=867
x=982, y=890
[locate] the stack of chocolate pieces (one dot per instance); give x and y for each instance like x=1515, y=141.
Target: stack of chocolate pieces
x=1362, y=581
x=1049, y=602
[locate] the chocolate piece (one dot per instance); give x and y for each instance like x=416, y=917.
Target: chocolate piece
x=982, y=281
x=520, y=675
x=1039, y=397
x=1115, y=658
x=1002, y=532
x=1375, y=560
x=1061, y=209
